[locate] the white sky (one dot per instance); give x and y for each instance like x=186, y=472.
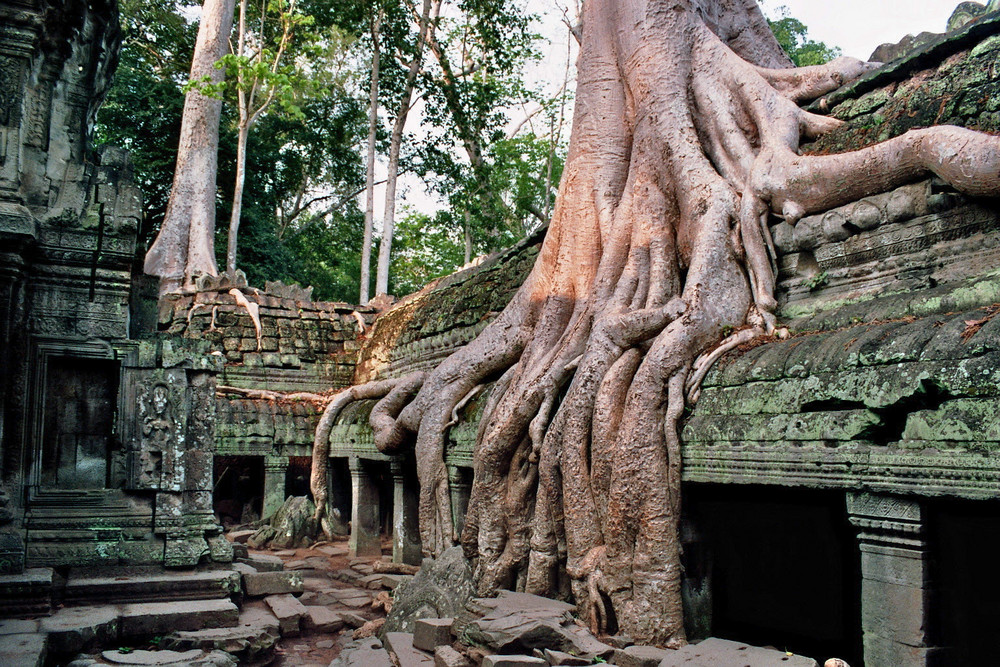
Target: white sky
x=856, y=26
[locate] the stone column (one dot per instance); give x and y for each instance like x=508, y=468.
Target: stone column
x=405, y=516
x=365, y=539
x=275, y=469
x=460, y=487
x=895, y=580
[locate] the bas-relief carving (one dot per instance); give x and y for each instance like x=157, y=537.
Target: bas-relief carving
x=155, y=457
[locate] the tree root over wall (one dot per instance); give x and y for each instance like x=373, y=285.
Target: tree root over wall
x=685, y=139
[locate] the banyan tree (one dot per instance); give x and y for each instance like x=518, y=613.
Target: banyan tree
x=657, y=260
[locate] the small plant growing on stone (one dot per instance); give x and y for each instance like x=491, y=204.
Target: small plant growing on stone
x=817, y=281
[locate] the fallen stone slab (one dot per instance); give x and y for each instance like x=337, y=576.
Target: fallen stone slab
x=446, y=656
x=348, y=576
x=253, y=637
x=401, y=644
x=260, y=584
x=513, y=661
x=332, y=550
x=322, y=619
x=265, y=562
x=363, y=653
x=355, y=602
x=142, y=657
x=160, y=618
x=119, y=658
x=289, y=612
x=639, y=656
x=563, y=659
x=429, y=633
x=352, y=619
x=23, y=650
x=715, y=652
x=371, y=581
x=240, y=536
x=520, y=623
x=285, y=553
x=73, y=629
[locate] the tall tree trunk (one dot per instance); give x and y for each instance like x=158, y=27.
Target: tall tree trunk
x=234, y=219
x=366, y=245
x=685, y=137
x=185, y=245
x=395, y=143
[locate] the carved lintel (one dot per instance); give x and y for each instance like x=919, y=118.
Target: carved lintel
x=887, y=520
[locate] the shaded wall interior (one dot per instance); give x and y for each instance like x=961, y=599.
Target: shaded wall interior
x=78, y=449
x=783, y=568
x=964, y=538
x=239, y=488
x=297, y=476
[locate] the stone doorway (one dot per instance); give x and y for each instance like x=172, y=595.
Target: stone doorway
x=78, y=445
x=783, y=568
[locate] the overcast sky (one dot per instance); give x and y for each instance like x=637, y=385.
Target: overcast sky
x=858, y=26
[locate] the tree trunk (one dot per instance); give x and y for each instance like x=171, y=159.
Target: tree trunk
x=395, y=142
x=242, y=134
x=234, y=220
x=366, y=246
x=685, y=138
x=185, y=245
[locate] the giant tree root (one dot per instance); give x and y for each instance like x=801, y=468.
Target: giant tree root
x=685, y=140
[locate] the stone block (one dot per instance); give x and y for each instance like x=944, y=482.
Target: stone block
x=146, y=658
x=714, y=652
x=639, y=656
x=322, y=619
x=23, y=650
x=272, y=583
x=158, y=618
x=73, y=629
x=429, y=633
x=446, y=656
x=289, y=612
x=363, y=653
x=564, y=659
x=352, y=619
x=894, y=611
x=513, y=661
x=265, y=562
x=401, y=644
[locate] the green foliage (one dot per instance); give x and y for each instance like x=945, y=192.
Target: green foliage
x=299, y=222
x=792, y=35
x=425, y=248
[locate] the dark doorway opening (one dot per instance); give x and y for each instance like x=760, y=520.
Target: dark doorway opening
x=78, y=444
x=297, y=476
x=239, y=489
x=964, y=541
x=785, y=569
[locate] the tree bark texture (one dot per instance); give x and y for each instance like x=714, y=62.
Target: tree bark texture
x=686, y=137
x=366, y=245
x=185, y=245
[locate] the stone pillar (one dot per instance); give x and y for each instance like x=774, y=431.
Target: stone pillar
x=365, y=539
x=895, y=580
x=460, y=488
x=275, y=469
x=405, y=517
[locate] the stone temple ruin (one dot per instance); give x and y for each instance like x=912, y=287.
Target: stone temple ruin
x=841, y=486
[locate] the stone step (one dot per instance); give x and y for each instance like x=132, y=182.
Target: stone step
x=253, y=638
x=401, y=644
x=26, y=594
x=160, y=618
x=23, y=650
x=104, y=585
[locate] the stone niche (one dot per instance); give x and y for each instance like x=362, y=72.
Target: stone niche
x=106, y=427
